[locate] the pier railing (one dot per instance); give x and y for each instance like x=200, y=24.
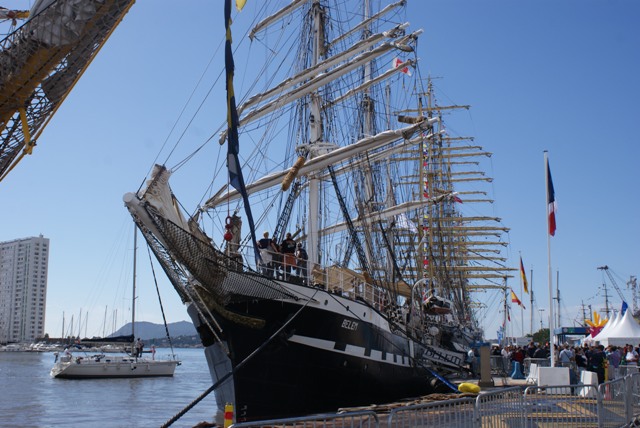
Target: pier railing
x=451, y=413
x=612, y=404
x=363, y=419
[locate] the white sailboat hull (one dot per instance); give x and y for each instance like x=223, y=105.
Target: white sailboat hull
x=97, y=367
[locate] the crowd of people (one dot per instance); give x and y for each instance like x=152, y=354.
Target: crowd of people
x=604, y=361
x=285, y=260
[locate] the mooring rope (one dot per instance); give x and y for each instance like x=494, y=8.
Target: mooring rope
x=238, y=367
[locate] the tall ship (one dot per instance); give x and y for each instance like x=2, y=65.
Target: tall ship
x=335, y=265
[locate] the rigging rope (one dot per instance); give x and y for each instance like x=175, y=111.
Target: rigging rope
x=238, y=367
x=164, y=318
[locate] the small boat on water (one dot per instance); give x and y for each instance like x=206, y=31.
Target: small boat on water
x=103, y=366
x=347, y=151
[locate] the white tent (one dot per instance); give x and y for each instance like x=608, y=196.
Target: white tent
x=626, y=330
x=604, y=333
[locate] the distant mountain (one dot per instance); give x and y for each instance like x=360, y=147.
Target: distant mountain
x=146, y=330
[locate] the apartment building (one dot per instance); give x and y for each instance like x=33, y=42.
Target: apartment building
x=23, y=288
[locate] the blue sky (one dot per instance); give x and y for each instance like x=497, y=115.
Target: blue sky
x=539, y=75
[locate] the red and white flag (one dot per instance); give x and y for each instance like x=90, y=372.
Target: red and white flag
x=397, y=62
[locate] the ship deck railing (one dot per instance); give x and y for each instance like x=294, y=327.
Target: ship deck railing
x=539, y=362
x=615, y=403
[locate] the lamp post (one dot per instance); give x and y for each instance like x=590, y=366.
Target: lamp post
x=541, y=311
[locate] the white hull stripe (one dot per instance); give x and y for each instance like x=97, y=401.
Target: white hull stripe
x=355, y=351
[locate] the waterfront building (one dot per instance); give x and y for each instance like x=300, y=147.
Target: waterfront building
x=23, y=288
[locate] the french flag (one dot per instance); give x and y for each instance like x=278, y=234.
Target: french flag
x=551, y=202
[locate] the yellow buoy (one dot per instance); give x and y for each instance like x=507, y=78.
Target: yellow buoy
x=469, y=387
x=228, y=415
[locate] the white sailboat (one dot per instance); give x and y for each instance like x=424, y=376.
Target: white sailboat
x=108, y=366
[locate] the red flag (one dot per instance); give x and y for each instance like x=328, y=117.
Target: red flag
x=397, y=62
x=515, y=299
x=551, y=201
x=524, y=277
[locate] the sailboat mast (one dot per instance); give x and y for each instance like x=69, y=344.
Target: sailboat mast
x=133, y=298
x=104, y=323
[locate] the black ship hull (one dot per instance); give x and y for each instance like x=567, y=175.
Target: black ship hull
x=282, y=349
x=333, y=353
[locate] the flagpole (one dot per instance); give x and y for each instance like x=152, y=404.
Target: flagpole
x=531, y=301
x=551, y=314
x=506, y=312
x=521, y=308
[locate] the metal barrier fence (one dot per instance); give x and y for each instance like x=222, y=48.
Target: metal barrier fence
x=562, y=406
x=500, y=366
x=613, y=412
x=501, y=408
x=612, y=404
x=361, y=419
x=450, y=413
x=541, y=362
x=626, y=369
x=633, y=395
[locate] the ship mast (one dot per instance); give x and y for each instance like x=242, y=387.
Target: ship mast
x=315, y=133
x=367, y=125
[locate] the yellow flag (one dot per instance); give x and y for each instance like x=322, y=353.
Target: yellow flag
x=240, y=4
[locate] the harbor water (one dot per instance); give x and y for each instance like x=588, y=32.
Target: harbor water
x=31, y=398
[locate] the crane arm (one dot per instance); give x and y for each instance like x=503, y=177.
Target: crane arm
x=613, y=282
x=41, y=62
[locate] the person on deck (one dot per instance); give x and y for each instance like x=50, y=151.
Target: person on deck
x=301, y=262
x=268, y=249
x=139, y=348
x=288, y=249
